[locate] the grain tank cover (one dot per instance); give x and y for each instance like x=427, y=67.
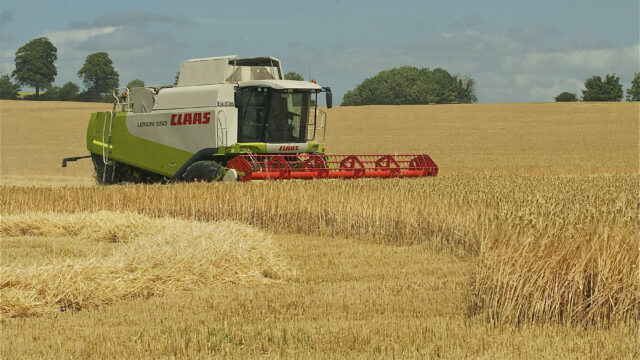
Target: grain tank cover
x=228, y=69
x=142, y=100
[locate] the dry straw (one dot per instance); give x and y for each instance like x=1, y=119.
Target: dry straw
x=151, y=256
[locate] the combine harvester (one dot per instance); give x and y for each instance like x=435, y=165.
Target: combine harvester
x=228, y=119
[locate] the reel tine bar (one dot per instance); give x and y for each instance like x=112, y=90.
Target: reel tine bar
x=313, y=166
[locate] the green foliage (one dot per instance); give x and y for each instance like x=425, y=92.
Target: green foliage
x=68, y=92
x=566, y=97
x=51, y=94
x=135, y=83
x=175, y=80
x=35, y=64
x=98, y=75
x=597, y=90
x=292, y=75
x=409, y=85
x=633, y=93
x=466, y=89
x=91, y=95
x=8, y=90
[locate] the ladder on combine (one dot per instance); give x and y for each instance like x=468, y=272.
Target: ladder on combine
x=122, y=100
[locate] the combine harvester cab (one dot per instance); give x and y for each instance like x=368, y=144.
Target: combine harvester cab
x=228, y=119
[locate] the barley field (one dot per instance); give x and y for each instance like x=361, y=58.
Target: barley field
x=525, y=245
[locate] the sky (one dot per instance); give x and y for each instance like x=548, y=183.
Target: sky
x=516, y=51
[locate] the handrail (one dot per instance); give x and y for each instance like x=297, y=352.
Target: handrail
x=126, y=106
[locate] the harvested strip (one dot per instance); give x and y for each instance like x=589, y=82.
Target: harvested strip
x=161, y=256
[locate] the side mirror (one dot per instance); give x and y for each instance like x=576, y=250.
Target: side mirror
x=237, y=98
x=329, y=98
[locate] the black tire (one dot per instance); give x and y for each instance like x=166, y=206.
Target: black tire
x=205, y=170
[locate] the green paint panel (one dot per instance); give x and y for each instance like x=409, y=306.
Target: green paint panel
x=243, y=148
x=133, y=150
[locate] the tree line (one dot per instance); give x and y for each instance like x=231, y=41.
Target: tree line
x=408, y=85
x=35, y=67
x=609, y=89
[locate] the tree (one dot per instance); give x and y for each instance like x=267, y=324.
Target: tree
x=8, y=90
x=135, y=83
x=292, y=75
x=50, y=94
x=98, y=75
x=35, y=64
x=633, y=93
x=409, y=85
x=68, y=92
x=566, y=96
x=175, y=79
x=466, y=89
x=597, y=90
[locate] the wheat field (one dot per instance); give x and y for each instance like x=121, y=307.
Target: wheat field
x=555, y=138
x=526, y=245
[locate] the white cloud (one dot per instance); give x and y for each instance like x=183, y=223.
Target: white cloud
x=74, y=37
x=121, y=38
x=532, y=32
x=540, y=76
x=129, y=17
x=137, y=53
x=530, y=63
x=554, y=86
x=590, y=60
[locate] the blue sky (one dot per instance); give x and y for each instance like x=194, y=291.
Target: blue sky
x=516, y=51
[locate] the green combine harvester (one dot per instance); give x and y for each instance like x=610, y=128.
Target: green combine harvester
x=228, y=119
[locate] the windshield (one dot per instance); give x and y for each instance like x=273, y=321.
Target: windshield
x=273, y=116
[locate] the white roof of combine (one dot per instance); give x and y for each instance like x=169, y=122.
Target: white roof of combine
x=228, y=69
x=212, y=58
x=183, y=97
x=281, y=84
